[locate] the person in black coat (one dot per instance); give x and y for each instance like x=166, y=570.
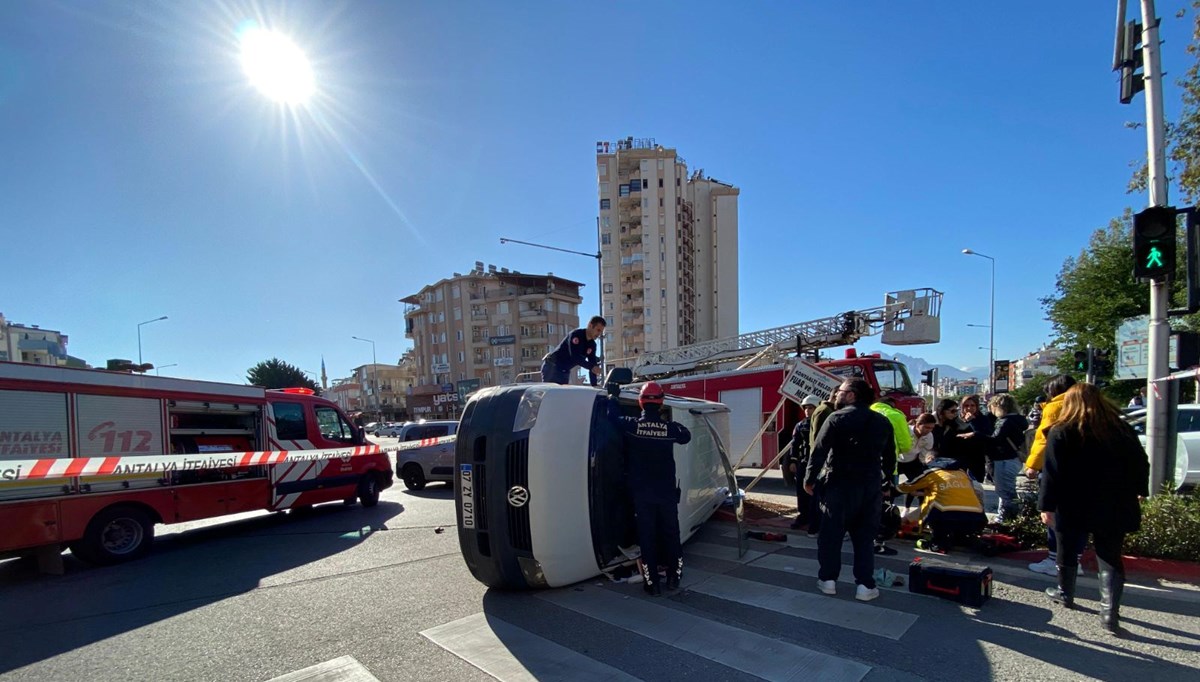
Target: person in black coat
x=1095, y=472
x=976, y=428
x=946, y=443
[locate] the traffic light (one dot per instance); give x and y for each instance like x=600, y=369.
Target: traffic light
x=1129, y=61
x=929, y=376
x=1081, y=361
x=1154, y=243
x=1101, y=361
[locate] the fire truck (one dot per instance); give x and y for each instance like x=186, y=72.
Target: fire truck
x=745, y=372
x=56, y=413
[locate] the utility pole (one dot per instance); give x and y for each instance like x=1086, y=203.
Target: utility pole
x=599, y=282
x=1126, y=62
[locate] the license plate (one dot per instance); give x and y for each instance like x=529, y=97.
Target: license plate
x=466, y=489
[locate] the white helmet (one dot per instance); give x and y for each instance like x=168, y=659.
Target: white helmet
x=810, y=400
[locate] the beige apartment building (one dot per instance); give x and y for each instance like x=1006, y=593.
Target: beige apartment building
x=668, y=244
x=33, y=345
x=483, y=328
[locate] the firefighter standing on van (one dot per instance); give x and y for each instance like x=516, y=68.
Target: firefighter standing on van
x=577, y=349
x=650, y=456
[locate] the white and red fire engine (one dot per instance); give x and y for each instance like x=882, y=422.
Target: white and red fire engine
x=92, y=460
x=752, y=392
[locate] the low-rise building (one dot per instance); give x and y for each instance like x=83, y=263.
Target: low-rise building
x=32, y=344
x=484, y=328
x=1042, y=362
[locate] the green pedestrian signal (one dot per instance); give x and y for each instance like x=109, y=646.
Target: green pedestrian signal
x=1154, y=236
x=1154, y=258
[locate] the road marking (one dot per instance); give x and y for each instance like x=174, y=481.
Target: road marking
x=809, y=567
x=723, y=552
x=870, y=619
x=510, y=653
x=343, y=669
x=736, y=648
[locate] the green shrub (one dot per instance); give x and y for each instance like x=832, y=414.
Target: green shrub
x=1170, y=528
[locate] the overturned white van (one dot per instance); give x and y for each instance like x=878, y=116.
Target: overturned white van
x=540, y=484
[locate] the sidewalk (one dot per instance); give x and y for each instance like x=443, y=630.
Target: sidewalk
x=773, y=507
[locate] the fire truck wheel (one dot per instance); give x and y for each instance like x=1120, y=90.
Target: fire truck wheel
x=414, y=478
x=368, y=490
x=114, y=535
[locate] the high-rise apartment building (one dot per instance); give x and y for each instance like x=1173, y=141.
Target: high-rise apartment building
x=484, y=329
x=668, y=244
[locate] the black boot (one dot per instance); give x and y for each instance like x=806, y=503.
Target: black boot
x=652, y=589
x=1112, y=585
x=674, y=575
x=1065, y=592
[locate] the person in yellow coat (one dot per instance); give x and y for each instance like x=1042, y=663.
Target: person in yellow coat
x=951, y=505
x=1056, y=389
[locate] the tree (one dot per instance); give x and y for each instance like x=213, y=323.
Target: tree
x=276, y=373
x=1029, y=391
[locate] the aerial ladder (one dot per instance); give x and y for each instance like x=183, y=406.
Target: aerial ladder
x=907, y=317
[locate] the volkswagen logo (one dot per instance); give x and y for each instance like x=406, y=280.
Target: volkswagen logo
x=518, y=496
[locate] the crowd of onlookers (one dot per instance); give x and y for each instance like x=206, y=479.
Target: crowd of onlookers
x=1085, y=461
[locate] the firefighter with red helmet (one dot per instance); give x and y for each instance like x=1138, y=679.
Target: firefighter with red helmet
x=650, y=456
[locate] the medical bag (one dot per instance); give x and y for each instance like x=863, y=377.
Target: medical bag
x=964, y=583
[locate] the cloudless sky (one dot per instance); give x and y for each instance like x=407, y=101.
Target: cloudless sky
x=142, y=175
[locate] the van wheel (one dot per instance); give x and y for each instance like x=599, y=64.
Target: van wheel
x=414, y=478
x=368, y=490
x=114, y=535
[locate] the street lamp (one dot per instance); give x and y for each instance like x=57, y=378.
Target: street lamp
x=991, y=322
x=139, y=328
x=374, y=378
x=599, y=278
x=158, y=370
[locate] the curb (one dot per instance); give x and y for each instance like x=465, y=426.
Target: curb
x=1187, y=571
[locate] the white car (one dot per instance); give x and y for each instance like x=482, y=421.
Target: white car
x=540, y=484
x=1187, y=444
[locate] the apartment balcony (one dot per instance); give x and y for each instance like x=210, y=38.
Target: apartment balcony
x=479, y=315
x=532, y=314
x=532, y=338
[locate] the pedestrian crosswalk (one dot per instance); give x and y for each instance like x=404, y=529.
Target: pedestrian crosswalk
x=693, y=630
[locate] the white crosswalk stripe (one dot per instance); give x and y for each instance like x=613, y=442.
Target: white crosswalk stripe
x=697, y=632
x=508, y=652
x=873, y=620
x=749, y=652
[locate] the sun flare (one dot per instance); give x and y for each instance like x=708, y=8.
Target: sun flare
x=276, y=66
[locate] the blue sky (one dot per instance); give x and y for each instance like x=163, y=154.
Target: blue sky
x=144, y=176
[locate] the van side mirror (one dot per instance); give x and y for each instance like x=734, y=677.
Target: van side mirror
x=619, y=376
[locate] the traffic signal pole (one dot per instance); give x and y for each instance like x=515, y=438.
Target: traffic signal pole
x=1157, y=431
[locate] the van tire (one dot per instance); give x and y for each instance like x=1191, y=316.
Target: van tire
x=414, y=478
x=368, y=490
x=114, y=535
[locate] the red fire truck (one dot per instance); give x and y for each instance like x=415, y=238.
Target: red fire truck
x=752, y=392
x=60, y=413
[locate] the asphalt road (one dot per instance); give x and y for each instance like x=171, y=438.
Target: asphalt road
x=264, y=595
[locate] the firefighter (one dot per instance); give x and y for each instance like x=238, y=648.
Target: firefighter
x=577, y=349
x=650, y=453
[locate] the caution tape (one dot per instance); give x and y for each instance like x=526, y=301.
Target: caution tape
x=35, y=469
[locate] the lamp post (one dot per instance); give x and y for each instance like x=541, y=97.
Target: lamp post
x=991, y=322
x=158, y=370
x=599, y=278
x=374, y=378
x=139, y=328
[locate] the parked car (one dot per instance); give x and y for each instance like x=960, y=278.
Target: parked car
x=433, y=462
x=381, y=428
x=429, y=463
x=1187, y=448
x=540, y=492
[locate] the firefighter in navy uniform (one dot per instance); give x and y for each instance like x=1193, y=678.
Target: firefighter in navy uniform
x=577, y=349
x=649, y=451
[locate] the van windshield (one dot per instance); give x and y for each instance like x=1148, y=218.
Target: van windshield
x=892, y=377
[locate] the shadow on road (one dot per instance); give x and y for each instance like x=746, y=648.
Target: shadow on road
x=184, y=571
x=434, y=491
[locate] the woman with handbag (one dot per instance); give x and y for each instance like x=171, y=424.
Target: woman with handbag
x=1095, y=472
